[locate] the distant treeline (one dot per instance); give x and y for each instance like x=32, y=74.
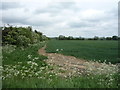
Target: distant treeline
x=61, y=37
x=21, y=36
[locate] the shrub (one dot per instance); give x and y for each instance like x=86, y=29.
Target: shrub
x=23, y=41
x=21, y=36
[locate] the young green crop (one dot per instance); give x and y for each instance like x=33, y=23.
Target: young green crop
x=89, y=50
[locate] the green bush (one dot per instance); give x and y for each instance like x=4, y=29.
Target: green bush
x=23, y=41
x=21, y=36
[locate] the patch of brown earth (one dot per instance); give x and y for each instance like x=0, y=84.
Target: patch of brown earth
x=69, y=65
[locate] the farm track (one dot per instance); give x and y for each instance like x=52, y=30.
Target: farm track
x=69, y=65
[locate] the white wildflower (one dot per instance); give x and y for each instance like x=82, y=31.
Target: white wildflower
x=29, y=56
x=61, y=49
x=29, y=62
x=57, y=49
x=36, y=58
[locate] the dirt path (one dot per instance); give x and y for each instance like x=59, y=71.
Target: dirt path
x=69, y=65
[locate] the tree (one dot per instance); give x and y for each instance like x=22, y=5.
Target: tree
x=61, y=37
x=82, y=38
x=30, y=28
x=114, y=37
x=70, y=38
x=108, y=38
x=90, y=39
x=36, y=31
x=96, y=37
x=102, y=38
x=118, y=38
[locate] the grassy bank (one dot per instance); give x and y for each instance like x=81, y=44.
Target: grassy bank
x=13, y=54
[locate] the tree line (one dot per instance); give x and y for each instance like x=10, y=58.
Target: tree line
x=62, y=37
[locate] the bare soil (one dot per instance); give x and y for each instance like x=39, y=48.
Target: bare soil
x=68, y=65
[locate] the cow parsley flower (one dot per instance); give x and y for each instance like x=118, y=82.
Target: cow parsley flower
x=29, y=56
x=61, y=49
x=57, y=50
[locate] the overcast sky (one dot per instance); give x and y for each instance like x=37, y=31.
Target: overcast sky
x=86, y=18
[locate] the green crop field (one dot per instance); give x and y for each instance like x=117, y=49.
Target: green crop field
x=86, y=49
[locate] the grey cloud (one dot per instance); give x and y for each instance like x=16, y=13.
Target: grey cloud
x=114, y=12
x=95, y=20
x=63, y=5
x=47, y=10
x=40, y=23
x=14, y=20
x=10, y=5
x=25, y=21
x=56, y=7
x=80, y=24
x=109, y=15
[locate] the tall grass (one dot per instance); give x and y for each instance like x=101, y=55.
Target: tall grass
x=13, y=54
x=101, y=81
